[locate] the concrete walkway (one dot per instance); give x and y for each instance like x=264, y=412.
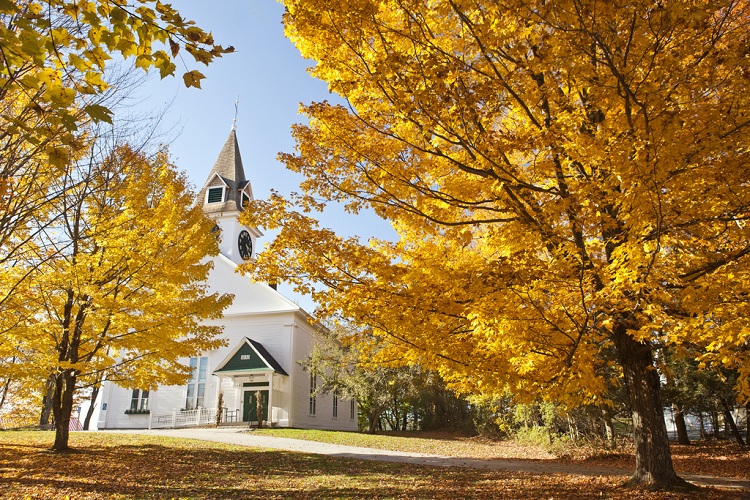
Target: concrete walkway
x=244, y=437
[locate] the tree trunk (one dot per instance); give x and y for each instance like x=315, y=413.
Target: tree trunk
x=92, y=406
x=389, y=420
x=6, y=387
x=715, y=424
x=729, y=421
x=609, y=429
x=572, y=427
x=679, y=423
x=373, y=417
x=704, y=436
x=653, y=459
x=395, y=422
x=62, y=407
x=47, y=403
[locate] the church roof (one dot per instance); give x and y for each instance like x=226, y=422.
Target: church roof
x=250, y=297
x=227, y=171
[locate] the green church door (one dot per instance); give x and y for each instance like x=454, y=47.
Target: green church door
x=249, y=412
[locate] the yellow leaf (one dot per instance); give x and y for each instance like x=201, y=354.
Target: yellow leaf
x=193, y=78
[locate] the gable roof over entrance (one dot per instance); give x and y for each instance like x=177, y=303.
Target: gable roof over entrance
x=247, y=357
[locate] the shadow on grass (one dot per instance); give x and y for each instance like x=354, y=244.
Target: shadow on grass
x=108, y=466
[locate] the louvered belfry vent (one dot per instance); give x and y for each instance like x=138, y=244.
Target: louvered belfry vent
x=215, y=195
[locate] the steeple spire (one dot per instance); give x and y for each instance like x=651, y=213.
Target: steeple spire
x=228, y=174
x=224, y=196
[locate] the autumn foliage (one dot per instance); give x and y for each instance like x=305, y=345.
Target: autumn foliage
x=568, y=181
x=102, y=256
x=116, y=283
x=56, y=78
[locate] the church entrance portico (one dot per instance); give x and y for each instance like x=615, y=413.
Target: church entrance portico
x=251, y=369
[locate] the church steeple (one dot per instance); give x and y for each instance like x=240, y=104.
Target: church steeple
x=226, y=188
x=224, y=196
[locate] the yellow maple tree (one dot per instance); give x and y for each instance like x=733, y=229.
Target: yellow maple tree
x=54, y=79
x=57, y=50
x=568, y=181
x=118, y=282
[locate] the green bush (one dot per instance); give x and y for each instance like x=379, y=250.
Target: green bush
x=542, y=437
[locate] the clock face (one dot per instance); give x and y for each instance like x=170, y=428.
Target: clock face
x=245, y=245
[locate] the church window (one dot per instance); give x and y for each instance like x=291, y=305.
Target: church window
x=352, y=409
x=138, y=401
x=215, y=194
x=196, y=388
x=313, y=386
x=335, y=406
x=245, y=200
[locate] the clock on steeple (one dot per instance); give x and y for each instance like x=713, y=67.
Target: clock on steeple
x=245, y=245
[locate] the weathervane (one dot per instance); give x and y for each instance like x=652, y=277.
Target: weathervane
x=236, y=110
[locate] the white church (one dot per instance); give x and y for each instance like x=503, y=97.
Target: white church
x=267, y=335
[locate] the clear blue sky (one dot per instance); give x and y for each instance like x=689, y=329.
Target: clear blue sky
x=270, y=78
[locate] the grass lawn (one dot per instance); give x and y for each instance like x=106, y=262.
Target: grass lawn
x=434, y=443
x=713, y=458
x=109, y=465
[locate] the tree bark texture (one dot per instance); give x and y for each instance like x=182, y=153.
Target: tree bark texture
x=715, y=424
x=679, y=423
x=573, y=428
x=92, y=406
x=372, y=419
x=6, y=386
x=609, y=429
x=704, y=435
x=46, y=412
x=653, y=459
x=62, y=406
x=729, y=421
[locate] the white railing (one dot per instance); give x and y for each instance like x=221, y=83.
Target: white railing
x=182, y=418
